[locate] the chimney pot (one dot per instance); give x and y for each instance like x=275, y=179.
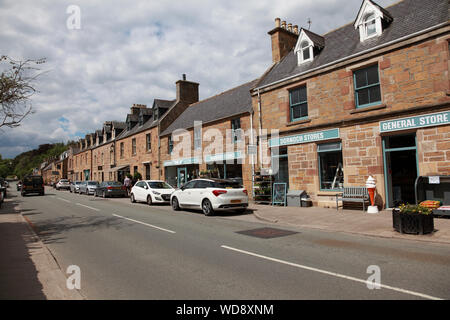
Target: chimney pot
x=290, y=27
x=283, y=24
x=296, y=29
x=277, y=22
x=184, y=76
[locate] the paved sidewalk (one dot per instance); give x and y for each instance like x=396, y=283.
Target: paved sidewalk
x=28, y=270
x=350, y=221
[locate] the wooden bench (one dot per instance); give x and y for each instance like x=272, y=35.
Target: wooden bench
x=353, y=194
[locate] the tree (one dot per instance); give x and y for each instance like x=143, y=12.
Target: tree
x=16, y=88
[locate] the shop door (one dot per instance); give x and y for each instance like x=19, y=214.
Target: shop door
x=400, y=169
x=181, y=176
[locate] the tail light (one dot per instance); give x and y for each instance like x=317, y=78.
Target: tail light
x=219, y=192
x=245, y=191
x=109, y=188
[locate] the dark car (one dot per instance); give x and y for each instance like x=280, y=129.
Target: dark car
x=33, y=184
x=19, y=185
x=3, y=188
x=111, y=189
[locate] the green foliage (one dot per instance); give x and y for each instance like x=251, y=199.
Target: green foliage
x=137, y=176
x=24, y=163
x=412, y=208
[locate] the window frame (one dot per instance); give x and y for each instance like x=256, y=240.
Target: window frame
x=370, y=104
x=133, y=146
x=291, y=106
x=236, y=137
x=170, y=145
x=319, y=163
x=122, y=150
x=148, y=142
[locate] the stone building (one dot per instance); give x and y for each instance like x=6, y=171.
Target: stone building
x=369, y=98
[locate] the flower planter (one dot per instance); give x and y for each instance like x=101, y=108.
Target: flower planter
x=412, y=223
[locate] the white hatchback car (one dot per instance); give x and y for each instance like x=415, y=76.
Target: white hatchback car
x=211, y=195
x=151, y=191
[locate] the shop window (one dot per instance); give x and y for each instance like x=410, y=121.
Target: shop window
x=236, y=130
x=298, y=104
x=280, y=170
x=331, y=173
x=367, y=87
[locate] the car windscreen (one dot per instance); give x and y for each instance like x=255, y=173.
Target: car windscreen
x=77, y=182
x=33, y=180
x=227, y=184
x=92, y=183
x=159, y=185
x=63, y=180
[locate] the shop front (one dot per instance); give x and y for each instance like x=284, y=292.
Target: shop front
x=225, y=166
x=178, y=172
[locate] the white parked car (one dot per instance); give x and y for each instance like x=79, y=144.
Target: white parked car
x=151, y=191
x=211, y=195
x=63, y=184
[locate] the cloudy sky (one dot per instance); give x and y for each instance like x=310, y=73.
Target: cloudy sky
x=129, y=52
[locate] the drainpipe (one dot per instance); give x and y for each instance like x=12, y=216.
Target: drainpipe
x=159, y=152
x=259, y=130
x=253, y=156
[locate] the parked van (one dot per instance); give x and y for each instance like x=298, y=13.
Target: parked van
x=32, y=184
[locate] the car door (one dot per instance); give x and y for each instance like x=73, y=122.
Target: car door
x=138, y=191
x=184, y=194
x=198, y=192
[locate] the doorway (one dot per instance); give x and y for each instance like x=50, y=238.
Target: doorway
x=400, y=169
x=181, y=176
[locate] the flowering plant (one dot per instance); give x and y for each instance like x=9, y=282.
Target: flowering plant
x=413, y=208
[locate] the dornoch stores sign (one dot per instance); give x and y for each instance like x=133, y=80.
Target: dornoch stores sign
x=305, y=138
x=427, y=120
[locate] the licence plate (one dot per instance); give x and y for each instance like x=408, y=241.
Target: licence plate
x=235, y=201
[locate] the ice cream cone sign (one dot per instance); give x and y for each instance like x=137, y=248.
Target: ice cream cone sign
x=371, y=186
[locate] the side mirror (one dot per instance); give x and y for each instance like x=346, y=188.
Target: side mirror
x=145, y=187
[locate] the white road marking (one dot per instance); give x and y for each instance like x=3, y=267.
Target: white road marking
x=79, y=204
x=63, y=199
x=145, y=224
x=331, y=273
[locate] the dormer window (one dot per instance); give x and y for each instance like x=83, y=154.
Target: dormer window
x=308, y=45
x=371, y=19
x=370, y=25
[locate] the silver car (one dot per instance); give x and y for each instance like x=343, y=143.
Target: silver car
x=88, y=187
x=75, y=186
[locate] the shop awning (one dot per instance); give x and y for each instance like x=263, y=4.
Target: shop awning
x=123, y=168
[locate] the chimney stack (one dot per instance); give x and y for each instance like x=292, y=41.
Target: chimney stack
x=283, y=39
x=136, y=107
x=187, y=91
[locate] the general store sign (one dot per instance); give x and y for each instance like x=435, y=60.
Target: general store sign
x=178, y=162
x=305, y=138
x=428, y=120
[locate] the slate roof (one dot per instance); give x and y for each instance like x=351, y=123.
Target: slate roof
x=119, y=124
x=318, y=40
x=409, y=16
x=226, y=104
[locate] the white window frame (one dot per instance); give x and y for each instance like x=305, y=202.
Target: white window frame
x=368, y=9
x=299, y=48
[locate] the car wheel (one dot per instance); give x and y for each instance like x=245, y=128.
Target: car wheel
x=207, y=208
x=149, y=200
x=132, y=198
x=241, y=211
x=175, y=204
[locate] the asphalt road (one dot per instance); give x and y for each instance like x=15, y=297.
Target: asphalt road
x=136, y=251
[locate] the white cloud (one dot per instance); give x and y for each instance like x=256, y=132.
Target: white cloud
x=132, y=52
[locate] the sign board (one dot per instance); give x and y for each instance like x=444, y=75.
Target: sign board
x=279, y=193
x=305, y=138
x=427, y=120
x=223, y=156
x=434, y=180
x=178, y=162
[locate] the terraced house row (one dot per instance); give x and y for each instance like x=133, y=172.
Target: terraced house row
x=369, y=98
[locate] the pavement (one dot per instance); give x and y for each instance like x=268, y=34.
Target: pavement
x=348, y=221
x=28, y=270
